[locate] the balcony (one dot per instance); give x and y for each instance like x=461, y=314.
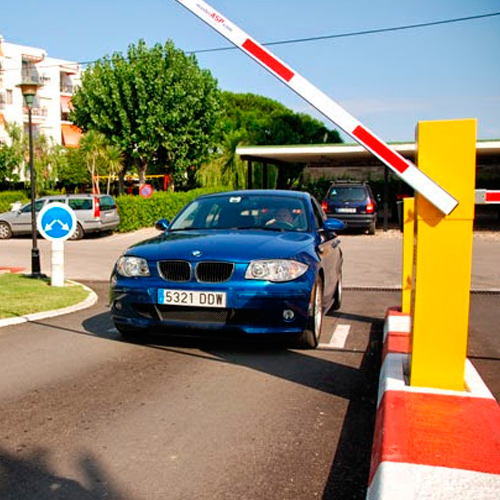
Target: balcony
x=36, y=111
x=66, y=88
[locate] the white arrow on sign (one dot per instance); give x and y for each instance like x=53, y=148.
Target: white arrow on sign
x=50, y=225
x=325, y=105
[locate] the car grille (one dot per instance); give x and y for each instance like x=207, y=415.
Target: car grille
x=194, y=315
x=214, y=272
x=175, y=270
x=205, y=272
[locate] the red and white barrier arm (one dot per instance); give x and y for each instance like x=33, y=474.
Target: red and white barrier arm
x=325, y=105
x=485, y=197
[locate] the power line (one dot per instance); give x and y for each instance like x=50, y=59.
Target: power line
x=331, y=37
x=357, y=33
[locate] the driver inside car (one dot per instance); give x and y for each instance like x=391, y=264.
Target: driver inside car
x=283, y=216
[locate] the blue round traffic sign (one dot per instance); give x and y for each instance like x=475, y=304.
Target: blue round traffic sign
x=56, y=221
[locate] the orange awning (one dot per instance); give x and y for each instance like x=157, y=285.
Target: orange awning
x=65, y=103
x=70, y=136
x=2, y=120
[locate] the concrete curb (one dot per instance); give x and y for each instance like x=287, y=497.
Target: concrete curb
x=88, y=302
x=431, y=443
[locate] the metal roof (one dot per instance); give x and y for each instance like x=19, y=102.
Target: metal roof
x=334, y=154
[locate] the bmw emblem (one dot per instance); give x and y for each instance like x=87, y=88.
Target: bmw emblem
x=196, y=253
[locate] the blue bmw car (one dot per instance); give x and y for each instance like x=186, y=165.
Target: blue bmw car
x=253, y=262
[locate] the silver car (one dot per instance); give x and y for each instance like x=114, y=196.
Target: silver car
x=94, y=213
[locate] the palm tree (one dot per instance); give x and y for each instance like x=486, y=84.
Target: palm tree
x=93, y=145
x=227, y=169
x=113, y=157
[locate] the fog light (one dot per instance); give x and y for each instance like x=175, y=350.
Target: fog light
x=118, y=305
x=288, y=315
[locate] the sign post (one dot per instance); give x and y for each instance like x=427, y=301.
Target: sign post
x=402, y=167
x=56, y=222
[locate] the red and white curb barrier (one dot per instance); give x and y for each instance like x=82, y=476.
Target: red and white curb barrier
x=325, y=105
x=485, y=197
x=431, y=443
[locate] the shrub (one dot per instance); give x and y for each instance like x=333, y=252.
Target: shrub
x=9, y=197
x=137, y=212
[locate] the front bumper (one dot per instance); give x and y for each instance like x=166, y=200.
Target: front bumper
x=272, y=309
x=356, y=221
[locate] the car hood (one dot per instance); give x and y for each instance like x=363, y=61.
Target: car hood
x=224, y=245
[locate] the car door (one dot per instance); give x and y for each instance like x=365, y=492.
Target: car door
x=328, y=251
x=21, y=224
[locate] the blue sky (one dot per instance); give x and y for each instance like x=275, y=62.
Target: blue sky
x=388, y=81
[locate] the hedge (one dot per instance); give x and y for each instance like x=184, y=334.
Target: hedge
x=7, y=198
x=137, y=212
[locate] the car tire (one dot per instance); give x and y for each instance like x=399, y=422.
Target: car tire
x=78, y=234
x=337, y=296
x=309, y=338
x=131, y=333
x=372, y=227
x=5, y=231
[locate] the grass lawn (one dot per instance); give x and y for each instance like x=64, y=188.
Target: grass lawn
x=20, y=295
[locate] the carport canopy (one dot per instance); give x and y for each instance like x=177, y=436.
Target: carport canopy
x=345, y=155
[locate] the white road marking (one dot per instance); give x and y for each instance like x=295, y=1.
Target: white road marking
x=338, y=339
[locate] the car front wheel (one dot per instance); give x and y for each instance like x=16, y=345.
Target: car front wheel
x=309, y=338
x=5, y=231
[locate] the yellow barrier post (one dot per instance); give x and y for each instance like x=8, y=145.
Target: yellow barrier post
x=408, y=246
x=447, y=153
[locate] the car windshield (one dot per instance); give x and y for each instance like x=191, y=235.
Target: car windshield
x=267, y=212
x=348, y=193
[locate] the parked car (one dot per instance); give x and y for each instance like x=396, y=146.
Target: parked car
x=94, y=213
x=352, y=203
x=233, y=262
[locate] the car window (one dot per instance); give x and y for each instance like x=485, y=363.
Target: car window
x=319, y=215
x=107, y=203
x=348, y=193
x=38, y=206
x=242, y=212
x=80, y=203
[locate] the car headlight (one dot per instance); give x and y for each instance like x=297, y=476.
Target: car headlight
x=132, y=266
x=276, y=270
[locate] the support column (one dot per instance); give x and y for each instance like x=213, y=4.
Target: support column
x=408, y=253
x=249, y=174
x=447, y=153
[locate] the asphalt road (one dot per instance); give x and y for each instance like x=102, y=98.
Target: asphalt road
x=368, y=261
x=85, y=415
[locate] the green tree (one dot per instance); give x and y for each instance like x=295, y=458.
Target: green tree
x=226, y=168
x=12, y=156
x=14, y=159
x=72, y=170
x=93, y=146
x=156, y=104
x=256, y=120
x=113, y=158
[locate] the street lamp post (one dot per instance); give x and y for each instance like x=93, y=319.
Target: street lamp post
x=29, y=90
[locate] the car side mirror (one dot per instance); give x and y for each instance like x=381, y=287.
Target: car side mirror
x=333, y=225
x=162, y=224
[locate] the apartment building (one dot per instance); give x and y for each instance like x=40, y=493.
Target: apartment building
x=50, y=112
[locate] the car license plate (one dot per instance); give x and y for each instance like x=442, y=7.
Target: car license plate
x=346, y=210
x=191, y=298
